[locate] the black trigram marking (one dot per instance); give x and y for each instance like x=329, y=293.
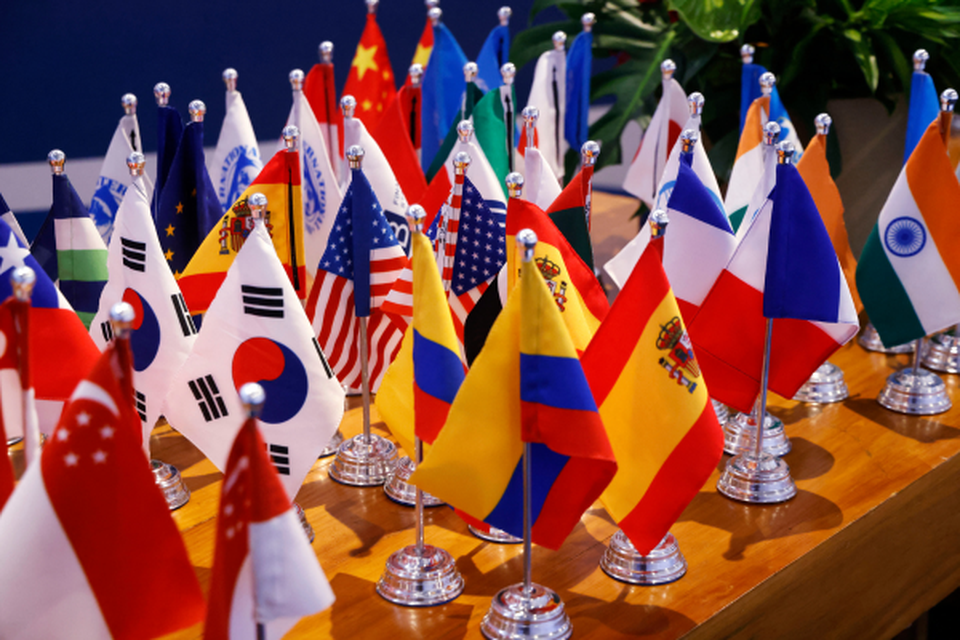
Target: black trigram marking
x=183, y=315
x=323, y=359
x=141, y=401
x=134, y=254
x=107, y=329
x=280, y=457
x=262, y=301
x=208, y=398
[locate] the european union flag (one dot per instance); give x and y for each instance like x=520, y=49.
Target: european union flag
x=169, y=132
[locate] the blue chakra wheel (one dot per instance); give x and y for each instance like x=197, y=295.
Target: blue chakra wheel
x=905, y=237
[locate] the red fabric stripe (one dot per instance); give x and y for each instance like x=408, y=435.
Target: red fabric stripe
x=576, y=488
x=435, y=195
x=431, y=414
x=677, y=482
x=199, y=289
x=569, y=432
x=62, y=352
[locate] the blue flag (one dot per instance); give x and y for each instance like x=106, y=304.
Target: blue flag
x=442, y=90
x=188, y=207
x=749, y=88
x=169, y=132
x=579, y=65
x=924, y=108
x=494, y=53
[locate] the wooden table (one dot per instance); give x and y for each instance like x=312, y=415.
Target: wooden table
x=871, y=540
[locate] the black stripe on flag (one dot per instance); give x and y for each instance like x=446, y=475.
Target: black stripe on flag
x=134, y=254
x=266, y=302
x=183, y=316
x=280, y=456
x=107, y=329
x=207, y=395
x=141, y=402
x=323, y=359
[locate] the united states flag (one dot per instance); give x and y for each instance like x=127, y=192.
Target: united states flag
x=356, y=272
x=480, y=253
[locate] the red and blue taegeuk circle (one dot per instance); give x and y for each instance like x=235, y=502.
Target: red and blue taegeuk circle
x=276, y=368
x=145, y=337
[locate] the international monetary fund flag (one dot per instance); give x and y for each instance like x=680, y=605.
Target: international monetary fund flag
x=163, y=332
x=909, y=271
x=94, y=568
x=256, y=331
x=264, y=570
x=236, y=161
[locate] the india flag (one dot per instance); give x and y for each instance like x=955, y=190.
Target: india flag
x=909, y=269
x=748, y=168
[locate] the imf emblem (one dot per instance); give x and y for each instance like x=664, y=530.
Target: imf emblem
x=315, y=191
x=239, y=169
x=400, y=229
x=106, y=201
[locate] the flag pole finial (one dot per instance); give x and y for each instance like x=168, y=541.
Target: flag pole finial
x=948, y=99
x=129, y=103
x=767, y=82
x=515, y=184
x=296, y=79
x=823, y=122
x=504, y=14
x=161, y=93
x=588, y=20
x=430, y=4
x=460, y=162
x=415, y=217
x=527, y=241
x=252, y=396
x=667, y=68
x=372, y=5
x=435, y=14
x=122, y=316
x=508, y=71
x=530, y=116
x=257, y=202
x=22, y=280
x=230, y=78
x=348, y=104
x=559, y=41
x=291, y=135
x=695, y=101
x=416, y=74
x=920, y=57
x=355, y=156
x=785, y=152
x=56, y=158
x=465, y=131
x=136, y=162
x=197, y=110
x=589, y=153
x=326, y=52
x=658, y=223
x=689, y=139
x=771, y=131
x=470, y=71
x=746, y=53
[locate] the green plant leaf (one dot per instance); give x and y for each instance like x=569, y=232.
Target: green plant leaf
x=862, y=49
x=718, y=20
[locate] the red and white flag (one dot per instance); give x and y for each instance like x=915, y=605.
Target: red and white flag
x=264, y=571
x=18, y=407
x=321, y=93
x=97, y=554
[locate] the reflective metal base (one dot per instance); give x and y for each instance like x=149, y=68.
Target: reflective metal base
x=398, y=487
x=722, y=411
x=826, y=385
x=870, y=340
x=167, y=477
x=414, y=581
x=762, y=481
x=333, y=445
x=494, y=535
x=307, y=529
x=537, y=616
x=942, y=353
x=920, y=394
x=665, y=563
x=738, y=435
x=14, y=440
x=364, y=463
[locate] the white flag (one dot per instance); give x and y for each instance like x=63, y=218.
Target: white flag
x=548, y=93
x=115, y=175
x=236, y=162
x=540, y=185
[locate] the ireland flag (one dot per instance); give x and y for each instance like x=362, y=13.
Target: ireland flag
x=909, y=269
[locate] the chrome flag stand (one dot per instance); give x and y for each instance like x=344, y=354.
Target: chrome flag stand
x=942, y=351
x=870, y=340
x=739, y=430
x=826, y=385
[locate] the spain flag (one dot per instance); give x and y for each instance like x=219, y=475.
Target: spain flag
x=371, y=80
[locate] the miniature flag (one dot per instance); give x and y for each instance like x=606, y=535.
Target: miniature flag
x=256, y=331
x=163, y=329
x=525, y=387
x=62, y=351
x=569, y=212
x=370, y=79
x=169, y=132
x=654, y=404
x=750, y=90
x=354, y=277
x=924, y=108
x=783, y=268
x=909, y=271
x=18, y=410
x=264, y=570
x=646, y=170
x=96, y=548
x=8, y=216
x=279, y=181
x=471, y=96
x=540, y=185
x=748, y=168
x=697, y=246
x=188, y=208
x=424, y=46
x=494, y=53
x=236, y=161
x=421, y=383
x=548, y=93
x=321, y=93
x=70, y=250
x=398, y=136
x=700, y=163
x=442, y=86
x=114, y=175
x=579, y=70
x=493, y=122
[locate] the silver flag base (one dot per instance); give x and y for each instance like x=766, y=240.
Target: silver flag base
x=307, y=529
x=333, y=446
x=665, y=563
x=539, y=615
x=942, y=353
x=722, y=411
x=920, y=394
x=168, y=479
x=826, y=385
x=14, y=440
x=494, y=535
x=740, y=430
x=420, y=581
x=364, y=463
x=870, y=340
x=398, y=487
x=763, y=481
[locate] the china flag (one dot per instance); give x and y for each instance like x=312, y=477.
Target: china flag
x=371, y=79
